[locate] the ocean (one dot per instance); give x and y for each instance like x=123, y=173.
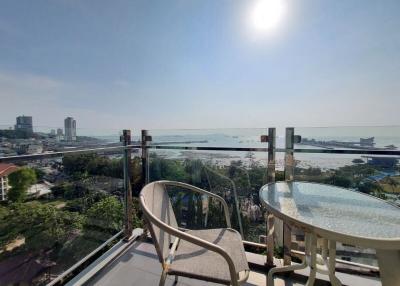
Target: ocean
x=383, y=136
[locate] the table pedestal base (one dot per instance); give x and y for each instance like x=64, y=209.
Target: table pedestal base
x=324, y=263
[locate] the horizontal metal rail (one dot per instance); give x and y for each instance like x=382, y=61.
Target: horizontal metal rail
x=83, y=260
x=279, y=150
x=302, y=254
x=195, y=148
x=254, y=244
x=350, y=263
x=347, y=151
x=204, y=148
x=41, y=156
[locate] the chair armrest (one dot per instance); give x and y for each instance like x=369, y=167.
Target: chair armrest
x=192, y=239
x=201, y=191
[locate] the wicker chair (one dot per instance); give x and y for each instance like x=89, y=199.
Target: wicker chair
x=214, y=255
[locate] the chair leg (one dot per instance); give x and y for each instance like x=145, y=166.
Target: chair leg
x=176, y=280
x=163, y=278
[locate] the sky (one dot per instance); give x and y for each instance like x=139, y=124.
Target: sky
x=147, y=64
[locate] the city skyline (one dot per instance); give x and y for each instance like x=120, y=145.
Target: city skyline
x=196, y=65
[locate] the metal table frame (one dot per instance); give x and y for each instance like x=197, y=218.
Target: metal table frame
x=324, y=264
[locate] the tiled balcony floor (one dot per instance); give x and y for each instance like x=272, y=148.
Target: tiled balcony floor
x=138, y=265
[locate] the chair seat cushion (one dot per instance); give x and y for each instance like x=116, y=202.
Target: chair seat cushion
x=197, y=262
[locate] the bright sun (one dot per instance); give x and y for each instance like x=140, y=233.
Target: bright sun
x=266, y=14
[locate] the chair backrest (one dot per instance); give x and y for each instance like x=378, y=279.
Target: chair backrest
x=157, y=201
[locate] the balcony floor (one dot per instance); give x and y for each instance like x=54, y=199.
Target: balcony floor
x=139, y=265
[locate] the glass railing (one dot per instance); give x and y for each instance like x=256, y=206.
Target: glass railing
x=235, y=177
x=369, y=164
x=46, y=139
x=364, y=159
x=82, y=192
x=199, y=157
x=57, y=210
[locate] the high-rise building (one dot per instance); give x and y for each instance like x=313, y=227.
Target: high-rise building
x=60, y=134
x=24, y=123
x=70, y=129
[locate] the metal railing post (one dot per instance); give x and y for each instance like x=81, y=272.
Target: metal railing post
x=290, y=140
x=289, y=154
x=145, y=157
x=289, y=176
x=269, y=219
x=126, y=140
x=271, y=155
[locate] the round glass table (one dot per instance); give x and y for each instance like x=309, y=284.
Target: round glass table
x=337, y=214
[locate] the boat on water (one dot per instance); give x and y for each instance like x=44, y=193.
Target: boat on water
x=391, y=147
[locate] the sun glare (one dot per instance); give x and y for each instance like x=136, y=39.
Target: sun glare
x=266, y=14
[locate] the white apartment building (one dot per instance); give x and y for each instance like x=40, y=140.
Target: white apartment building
x=5, y=170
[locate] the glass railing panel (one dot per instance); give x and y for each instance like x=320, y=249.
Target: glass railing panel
x=348, y=171
x=210, y=137
x=47, y=139
x=374, y=174
x=235, y=176
x=56, y=211
x=352, y=138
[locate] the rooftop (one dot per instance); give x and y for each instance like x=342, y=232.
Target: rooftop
x=7, y=169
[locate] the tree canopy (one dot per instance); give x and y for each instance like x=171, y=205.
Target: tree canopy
x=38, y=223
x=106, y=214
x=20, y=181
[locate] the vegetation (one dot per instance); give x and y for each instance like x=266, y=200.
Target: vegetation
x=80, y=166
x=38, y=223
x=106, y=214
x=391, y=184
x=85, y=206
x=83, y=210
x=20, y=181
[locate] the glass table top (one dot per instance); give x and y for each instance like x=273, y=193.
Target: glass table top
x=334, y=208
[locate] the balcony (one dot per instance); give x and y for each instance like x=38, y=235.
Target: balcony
x=138, y=265
x=87, y=238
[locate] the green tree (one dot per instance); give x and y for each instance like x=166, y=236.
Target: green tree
x=76, y=165
x=39, y=173
x=368, y=187
x=137, y=215
x=80, y=166
x=105, y=215
x=42, y=226
x=339, y=180
x=59, y=191
x=392, y=183
x=20, y=181
x=162, y=169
